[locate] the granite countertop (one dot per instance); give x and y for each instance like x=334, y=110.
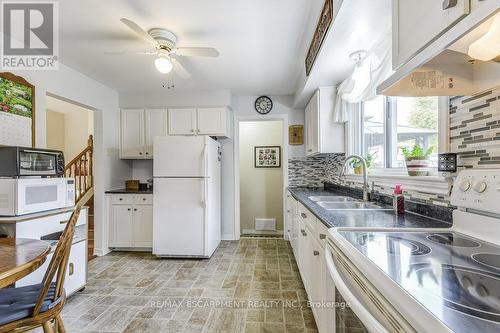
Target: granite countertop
x=360, y=218
x=125, y=191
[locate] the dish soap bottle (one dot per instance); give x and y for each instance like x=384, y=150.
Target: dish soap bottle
x=398, y=200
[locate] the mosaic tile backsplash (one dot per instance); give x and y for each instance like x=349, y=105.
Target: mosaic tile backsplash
x=313, y=171
x=475, y=129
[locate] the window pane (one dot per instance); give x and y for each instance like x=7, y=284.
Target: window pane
x=374, y=131
x=417, y=124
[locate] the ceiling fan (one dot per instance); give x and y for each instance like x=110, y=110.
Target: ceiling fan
x=164, y=43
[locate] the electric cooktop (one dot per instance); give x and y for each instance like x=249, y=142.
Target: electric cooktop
x=455, y=276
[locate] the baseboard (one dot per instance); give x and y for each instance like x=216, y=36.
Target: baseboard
x=261, y=232
x=228, y=237
x=100, y=252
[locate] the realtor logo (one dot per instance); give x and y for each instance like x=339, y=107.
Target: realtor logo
x=30, y=35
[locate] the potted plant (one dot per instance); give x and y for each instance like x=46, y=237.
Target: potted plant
x=417, y=160
x=357, y=166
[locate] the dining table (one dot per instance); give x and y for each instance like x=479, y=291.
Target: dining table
x=19, y=257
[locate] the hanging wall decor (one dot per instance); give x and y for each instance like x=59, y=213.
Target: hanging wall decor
x=268, y=157
x=296, y=135
x=17, y=111
x=324, y=23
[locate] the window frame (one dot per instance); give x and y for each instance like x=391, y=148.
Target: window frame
x=390, y=136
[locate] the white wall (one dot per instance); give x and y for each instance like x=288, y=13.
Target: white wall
x=55, y=130
x=78, y=88
x=174, y=98
x=261, y=189
x=142, y=170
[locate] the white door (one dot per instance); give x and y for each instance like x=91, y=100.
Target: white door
x=182, y=121
x=417, y=23
x=156, y=125
x=180, y=156
x=122, y=226
x=143, y=226
x=179, y=216
x=212, y=121
x=132, y=133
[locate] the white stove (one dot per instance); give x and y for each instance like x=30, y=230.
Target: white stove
x=426, y=280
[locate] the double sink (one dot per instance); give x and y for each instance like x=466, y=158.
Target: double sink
x=336, y=202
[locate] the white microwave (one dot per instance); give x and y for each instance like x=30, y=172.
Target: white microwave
x=32, y=195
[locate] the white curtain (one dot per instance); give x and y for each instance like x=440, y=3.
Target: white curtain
x=380, y=67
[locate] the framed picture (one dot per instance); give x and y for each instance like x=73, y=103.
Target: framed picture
x=268, y=157
x=17, y=111
x=324, y=23
x=296, y=135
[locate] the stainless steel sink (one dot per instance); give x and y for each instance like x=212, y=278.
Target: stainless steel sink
x=331, y=198
x=348, y=205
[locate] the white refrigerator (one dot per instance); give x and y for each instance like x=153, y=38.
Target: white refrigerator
x=187, y=196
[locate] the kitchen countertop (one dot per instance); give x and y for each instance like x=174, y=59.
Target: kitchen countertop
x=33, y=216
x=361, y=218
x=125, y=191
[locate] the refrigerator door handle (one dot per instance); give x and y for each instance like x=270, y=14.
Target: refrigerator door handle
x=205, y=192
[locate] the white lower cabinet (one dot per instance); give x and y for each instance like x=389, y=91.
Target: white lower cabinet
x=308, y=248
x=130, y=221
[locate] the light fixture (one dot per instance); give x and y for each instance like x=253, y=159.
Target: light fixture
x=360, y=78
x=163, y=64
x=487, y=47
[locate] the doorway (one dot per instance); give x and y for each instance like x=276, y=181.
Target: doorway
x=261, y=177
x=70, y=129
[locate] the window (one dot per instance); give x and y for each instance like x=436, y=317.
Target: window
x=391, y=123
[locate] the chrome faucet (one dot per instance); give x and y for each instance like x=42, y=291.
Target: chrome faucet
x=365, y=174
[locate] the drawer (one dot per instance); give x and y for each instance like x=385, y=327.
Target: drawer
x=321, y=233
x=143, y=199
x=306, y=215
x=39, y=227
x=125, y=199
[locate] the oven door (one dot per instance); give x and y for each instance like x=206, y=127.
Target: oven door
x=359, y=306
x=38, y=163
x=40, y=194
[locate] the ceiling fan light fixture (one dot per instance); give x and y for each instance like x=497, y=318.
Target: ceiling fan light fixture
x=163, y=64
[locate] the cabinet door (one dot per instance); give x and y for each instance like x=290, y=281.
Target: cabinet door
x=417, y=23
x=182, y=121
x=318, y=283
x=304, y=257
x=132, y=133
x=312, y=125
x=143, y=226
x=121, y=226
x=156, y=125
x=212, y=121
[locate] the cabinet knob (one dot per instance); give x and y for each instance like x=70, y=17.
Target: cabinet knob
x=447, y=4
x=322, y=236
x=303, y=215
x=128, y=209
x=121, y=199
x=135, y=209
x=309, y=150
x=192, y=131
x=288, y=210
x=140, y=153
x=143, y=199
x=316, y=253
x=147, y=153
x=71, y=268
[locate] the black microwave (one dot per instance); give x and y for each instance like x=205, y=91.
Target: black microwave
x=24, y=162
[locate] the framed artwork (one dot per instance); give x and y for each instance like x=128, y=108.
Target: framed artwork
x=296, y=135
x=268, y=157
x=17, y=111
x=324, y=23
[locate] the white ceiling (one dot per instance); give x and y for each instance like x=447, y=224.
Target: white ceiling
x=262, y=43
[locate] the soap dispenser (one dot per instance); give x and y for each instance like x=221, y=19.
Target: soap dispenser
x=398, y=200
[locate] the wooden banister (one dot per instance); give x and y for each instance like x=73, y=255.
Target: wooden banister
x=81, y=168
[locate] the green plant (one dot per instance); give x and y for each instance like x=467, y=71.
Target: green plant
x=356, y=163
x=416, y=151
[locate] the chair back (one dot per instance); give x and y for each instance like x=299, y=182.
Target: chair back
x=58, y=264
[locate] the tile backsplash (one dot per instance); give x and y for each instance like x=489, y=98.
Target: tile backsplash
x=475, y=129
x=313, y=171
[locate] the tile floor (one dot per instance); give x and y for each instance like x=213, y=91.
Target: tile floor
x=251, y=285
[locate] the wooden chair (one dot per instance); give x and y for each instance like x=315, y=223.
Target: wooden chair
x=25, y=308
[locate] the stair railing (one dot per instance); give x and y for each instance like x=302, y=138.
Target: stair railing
x=80, y=168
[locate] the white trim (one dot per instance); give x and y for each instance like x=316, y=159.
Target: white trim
x=236, y=163
x=428, y=184
x=228, y=237
x=263, y=232
x=443, y=125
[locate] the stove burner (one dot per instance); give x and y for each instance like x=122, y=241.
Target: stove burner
x=488, y=259
x=394, y=242
x=470, y=291
x=452, y=240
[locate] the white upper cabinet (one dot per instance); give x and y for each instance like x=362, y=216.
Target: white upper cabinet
x=415, y=24
x=323, y=135
x=138, y=129
x=132, y=133
x=213, y=121
x=182, y=121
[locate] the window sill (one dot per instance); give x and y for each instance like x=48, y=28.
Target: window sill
x=433, y=184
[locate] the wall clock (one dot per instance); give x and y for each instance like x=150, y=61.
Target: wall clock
x=263, y=105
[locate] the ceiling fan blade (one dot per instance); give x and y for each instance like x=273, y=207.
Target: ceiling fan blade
x=180, y=69
x=129, y=52
x=197, y=52
x=138, y=30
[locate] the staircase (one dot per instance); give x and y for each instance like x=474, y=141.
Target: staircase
x=81, y=168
